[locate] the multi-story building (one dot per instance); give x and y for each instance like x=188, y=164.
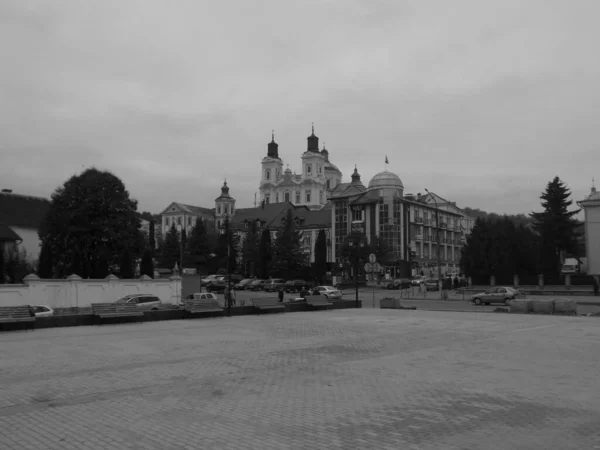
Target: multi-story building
x=184, y=216
x=318, y=178
x=408, y=225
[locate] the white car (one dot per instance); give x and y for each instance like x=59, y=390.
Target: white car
x=328, y=292
x=143, y=301
x=201, y=296
x=42, y=311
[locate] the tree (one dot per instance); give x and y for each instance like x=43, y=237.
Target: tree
x=147, y=264
x=2, y=277
x=183, y=245
x=91, y=213
x=198, y=245
x=76, y=266
x=250, y=249
x=227, y=247
x=101, y=268
x=320, y=267
x=265, y=253
x=151, y=236
x=287, y=254
x=16, y=264
x=557, y=228
x=171, y=248
x=126, y=265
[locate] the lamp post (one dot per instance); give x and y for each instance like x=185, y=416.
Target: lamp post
x=356, y=243
x=225, y=231
x=437, y=224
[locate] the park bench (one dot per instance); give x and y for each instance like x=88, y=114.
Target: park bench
x=202, y=306
x=266, y=304
x=16, y=314
x=115, y=310
x=318, y=302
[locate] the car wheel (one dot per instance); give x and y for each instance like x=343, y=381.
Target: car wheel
x=477, y=301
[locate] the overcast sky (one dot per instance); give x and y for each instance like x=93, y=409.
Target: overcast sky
x=481, y=101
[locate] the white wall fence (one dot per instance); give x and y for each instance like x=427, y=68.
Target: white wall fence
x=77, y=292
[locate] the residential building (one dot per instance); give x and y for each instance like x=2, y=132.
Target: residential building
x=183, y=216
x=591, y=207
x=407, y=225
x=22, y=215
x=310, y=188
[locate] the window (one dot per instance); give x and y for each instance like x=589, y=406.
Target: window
x=357, y=215
x=276, y=198
x=179, y=220
x=277, y=174
x=245, y=224
x=219, y=208
x=319, y=169
x=308, y=169
x=167, y=221
x=268, y=174
x=287, y=196
x=328, y=184
x=307, y=196
x=320, y=196
x=189, y=221
x=298, y=197
x=267, y=199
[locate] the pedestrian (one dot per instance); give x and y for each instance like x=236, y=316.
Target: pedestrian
x=456, y=282
x=233, y=296
x=595, y=286
x=280, y=295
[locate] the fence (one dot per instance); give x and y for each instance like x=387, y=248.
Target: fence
x=77, y=292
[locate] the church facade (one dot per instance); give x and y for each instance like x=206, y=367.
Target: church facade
x=311, y=188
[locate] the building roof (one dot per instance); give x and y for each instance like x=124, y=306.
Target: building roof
x=265, y=214
x=7, y=234
x=189, y=209
x=272, y=214
x=386, y=179
x=22, y=210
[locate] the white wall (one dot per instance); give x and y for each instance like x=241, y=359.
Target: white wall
x=75, y=292
x=592, y=231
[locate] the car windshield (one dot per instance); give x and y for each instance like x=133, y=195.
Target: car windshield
x=246, y=281
x=257, y=282
x=123, y=299
x=329, y=288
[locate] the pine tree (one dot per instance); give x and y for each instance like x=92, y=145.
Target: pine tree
x=287, y=255
x=265, y=254
x=147, y=264
x=320, y=267
x=250, y=249
x=151, y=236
x=556, y=226
x=198, y=245
x=171, y=248
x=183, y=247
x=126, y=265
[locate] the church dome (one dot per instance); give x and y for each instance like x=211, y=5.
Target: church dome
x=385, y=180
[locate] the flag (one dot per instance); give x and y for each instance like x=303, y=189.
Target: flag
x=386, y=160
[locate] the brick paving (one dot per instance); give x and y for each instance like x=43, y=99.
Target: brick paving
x=346, y=379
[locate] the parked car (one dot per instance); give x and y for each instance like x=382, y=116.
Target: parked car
x=327, y=291
x=143, y=301
x=218, y=285
x=274, y=285
x=243, y=284
x=208, y=279
x=400, y=283
x=41, y=310
x=416, y=281
x=256, y=285
x=296, y=285
x=201, y=296
x=500, y=294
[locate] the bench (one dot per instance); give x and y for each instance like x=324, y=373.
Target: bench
x=318, y=301
x=108, y=310
x=265, y=304
x=202, y=306
x=14, y=314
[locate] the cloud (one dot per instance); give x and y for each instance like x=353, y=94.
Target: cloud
x=483, y=102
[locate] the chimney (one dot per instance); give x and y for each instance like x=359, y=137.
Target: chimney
x=7, y=191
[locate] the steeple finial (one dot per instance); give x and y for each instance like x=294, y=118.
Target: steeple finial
x=272, y=135
x=313, y=128
x=593, y=183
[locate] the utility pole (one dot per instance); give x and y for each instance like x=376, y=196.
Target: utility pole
x=437, y=224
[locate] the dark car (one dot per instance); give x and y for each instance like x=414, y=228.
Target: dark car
x=274, y=285
x=218, y=286
x=256, y=285
x=244, y=284
x=296, y=285
x=400, y=283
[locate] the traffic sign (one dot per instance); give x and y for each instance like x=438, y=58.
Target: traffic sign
x=372, y=267
x=372, y=258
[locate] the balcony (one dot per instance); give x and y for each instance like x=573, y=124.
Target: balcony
x=450, y=226
x=418, y=219
x=418, y=237
x=443, y=225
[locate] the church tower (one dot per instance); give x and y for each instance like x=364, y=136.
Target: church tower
x=224, y=206
x=272, y=171
x=313, y=173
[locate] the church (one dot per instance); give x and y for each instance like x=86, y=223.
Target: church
x=311, y=188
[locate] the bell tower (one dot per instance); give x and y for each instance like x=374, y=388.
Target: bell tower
x=272, y=171
x=224, y=206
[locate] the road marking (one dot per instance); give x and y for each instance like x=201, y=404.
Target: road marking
x=533, y=328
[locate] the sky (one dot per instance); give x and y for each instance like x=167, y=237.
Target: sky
x=482, y=102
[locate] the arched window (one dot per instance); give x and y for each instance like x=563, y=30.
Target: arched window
x=287, y=196
x=268, y=174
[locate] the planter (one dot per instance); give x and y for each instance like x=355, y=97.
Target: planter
x=542, y=306
x=565, y=306
x=521, y=305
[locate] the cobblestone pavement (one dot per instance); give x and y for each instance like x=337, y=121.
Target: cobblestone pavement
x=345, y=379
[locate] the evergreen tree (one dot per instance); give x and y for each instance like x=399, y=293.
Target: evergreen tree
x=183, y=247
x=93, y=213
x=147, y=264
x=171, y=248
x=45, y=262
x=151, y=236
x=126, y=265
x=250, y=249
x=556, y=227
x=2, y=276
x=101, y=265
x=320, y=267
x=76, y=266
x=265, y=254
x=287, y=255
x=198, y=245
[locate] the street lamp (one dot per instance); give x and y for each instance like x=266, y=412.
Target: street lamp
x=437, y=224
x=358, y=244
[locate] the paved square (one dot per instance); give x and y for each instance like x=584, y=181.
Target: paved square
x=350, y=379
